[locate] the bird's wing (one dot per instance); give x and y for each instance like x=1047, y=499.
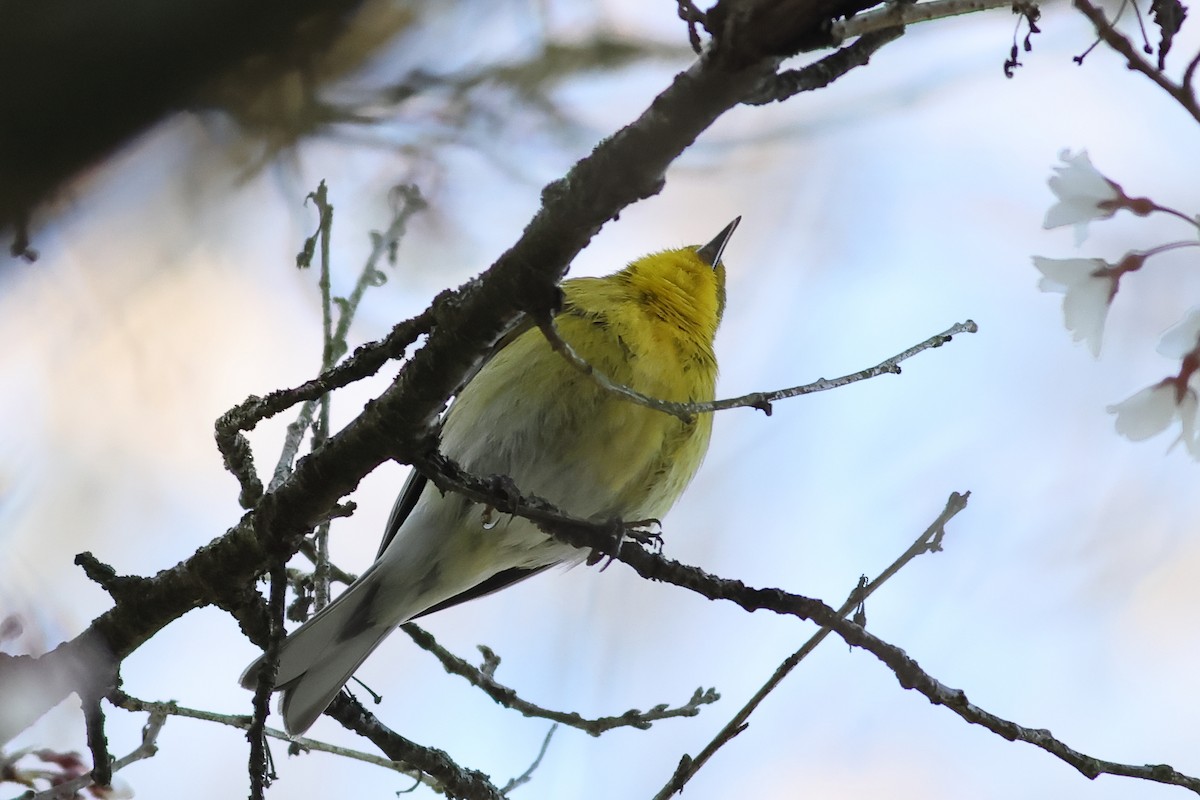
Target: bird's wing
x=403, y=506
x=500, y=580
x=400, y=511
x=415, y=484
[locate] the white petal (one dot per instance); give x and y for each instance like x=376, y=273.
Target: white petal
x=1080, y=190
x=1183, y=337
x=1063, y=274
x=1085, y=309
x=1187, y=411
x=1088, y=294
x=1078, y=179
x=1073, y=211
x=1146, y=413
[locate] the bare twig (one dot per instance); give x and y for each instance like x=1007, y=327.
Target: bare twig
x=508, y=697
x=763, y=400
x=336, y=573
x=759, y=400
x=93, y=720
x=694, y=17
x=292, y=440
x=147, y=748
x=929, y=541
x=824, y=71
x=330, y=352
x=407, y=201
x=365, y=362
x=243, y=722
x=524, y=777
x=1189, y=74
x=1181, y=92
x=259, y=763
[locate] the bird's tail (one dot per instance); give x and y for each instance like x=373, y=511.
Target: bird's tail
x=317, y=659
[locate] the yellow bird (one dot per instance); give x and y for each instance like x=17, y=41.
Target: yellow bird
x=530, y=415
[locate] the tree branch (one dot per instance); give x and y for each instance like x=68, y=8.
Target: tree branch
x=508, y=697
x=148, y=747
x=930, y=541
x=243, y=722
x=654, y=567
x=821, y=73
x=760, y=400
x=1181, y=92
x=453, y=780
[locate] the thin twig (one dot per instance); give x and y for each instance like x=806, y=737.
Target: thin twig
x=259, y=764
x=928, y=542
x=336, y=573
x=146, y=749
x=407, y=201
x=508, y=697
x=1182, y=93
x=365, y=361
x=824, y=71
x=759, y=400
x=1190, y=73
x=292, y=440
x=242, y=722
x=329, y=356
x=524, y=777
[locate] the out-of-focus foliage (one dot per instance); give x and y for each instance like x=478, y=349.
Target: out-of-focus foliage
x=91, y=82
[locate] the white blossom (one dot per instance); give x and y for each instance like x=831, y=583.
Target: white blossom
x=1152, y=410
x=1089, y=285
x=1183, y=338
x=1083, y=195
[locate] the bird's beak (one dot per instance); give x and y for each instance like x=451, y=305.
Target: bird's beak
x=711, y=253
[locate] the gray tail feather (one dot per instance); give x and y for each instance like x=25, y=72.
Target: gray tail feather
x=308, y=695
x=318, y=658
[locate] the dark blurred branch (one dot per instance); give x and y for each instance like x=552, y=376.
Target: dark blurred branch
x=81, y=77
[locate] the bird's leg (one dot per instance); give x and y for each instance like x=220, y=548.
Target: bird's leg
x=506, y=493
x=646, y=532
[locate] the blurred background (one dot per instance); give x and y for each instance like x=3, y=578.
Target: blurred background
x=904, y=198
